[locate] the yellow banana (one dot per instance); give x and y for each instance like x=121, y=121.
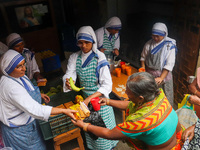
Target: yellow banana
x=73, y=86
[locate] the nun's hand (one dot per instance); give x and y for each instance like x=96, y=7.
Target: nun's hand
x=159, y=80
x=102, y=50
x=70, y=113
x=116, y=52
x=67, y=84
x=45, y=97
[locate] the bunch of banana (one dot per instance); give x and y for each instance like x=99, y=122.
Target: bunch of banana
x=73, y=86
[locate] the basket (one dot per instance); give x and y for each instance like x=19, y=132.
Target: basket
x=56, y=125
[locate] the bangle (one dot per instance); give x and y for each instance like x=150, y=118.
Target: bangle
x=195, y=92
x=85, y=126
x=107, y=101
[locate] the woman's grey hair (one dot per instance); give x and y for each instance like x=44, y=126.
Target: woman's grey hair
x=143, y=84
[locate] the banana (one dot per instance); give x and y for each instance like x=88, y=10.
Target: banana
x=73, y=86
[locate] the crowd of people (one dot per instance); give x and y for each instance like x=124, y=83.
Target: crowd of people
x=151, y=120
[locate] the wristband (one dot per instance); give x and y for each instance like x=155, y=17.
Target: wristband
x=85, y=126
x=107, y=101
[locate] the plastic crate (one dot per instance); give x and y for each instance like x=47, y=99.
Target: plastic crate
x=51, y=63
x=56, y=125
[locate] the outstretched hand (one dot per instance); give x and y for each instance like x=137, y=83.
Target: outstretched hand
x=102, y=101
x=70, y=113
x=78, y=123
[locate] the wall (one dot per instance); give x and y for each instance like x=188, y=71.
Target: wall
x=186, y=29
x=39, y=37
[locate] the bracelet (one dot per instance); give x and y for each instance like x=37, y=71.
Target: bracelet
x=85, y=126
x=107, y=101
x=195, y=92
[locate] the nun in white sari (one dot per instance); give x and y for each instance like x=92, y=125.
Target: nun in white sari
x=158, y=58
x=91, y=68
x=20, y=106
x=108, y=39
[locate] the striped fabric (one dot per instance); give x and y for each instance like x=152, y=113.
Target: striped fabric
x=87, y=76
x=88, y=79
x=108, y=45
x=108, y=117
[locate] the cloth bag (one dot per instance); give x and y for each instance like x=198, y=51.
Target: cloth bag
x=186, y=114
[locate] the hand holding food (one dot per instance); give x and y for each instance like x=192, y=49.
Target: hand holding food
x=73, y=86
x=82, y=111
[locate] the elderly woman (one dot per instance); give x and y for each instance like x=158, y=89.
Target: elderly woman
x=158, y=58
x=19, y=105
x=91, y=67
x=108, y=40
x=151, y=122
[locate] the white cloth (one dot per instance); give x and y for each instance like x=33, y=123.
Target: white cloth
x=31, y=64
x=13, y=39
x=167, y=56
x=113, y=22
x=88, y=30
x=105, y=80
x=100, y=36
x=14, y=99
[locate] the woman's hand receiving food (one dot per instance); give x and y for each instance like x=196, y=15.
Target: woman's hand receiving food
x=78, y=123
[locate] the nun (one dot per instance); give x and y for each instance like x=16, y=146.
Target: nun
x=20, y=107
x=158, y=58
x=14, y=41
x=91, y=67
x=108, y=39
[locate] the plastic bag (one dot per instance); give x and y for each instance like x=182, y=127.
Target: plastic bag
x=184, y=101
x=186, y=114
x=95, y=119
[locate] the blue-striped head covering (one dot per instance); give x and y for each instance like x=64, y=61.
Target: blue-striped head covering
x=85, y=37
x=159, y=29
x=114, y=23
x=13, y=39
x=86, y=33
x=9, y=61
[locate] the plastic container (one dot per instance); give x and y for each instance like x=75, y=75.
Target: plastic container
x=51, y=63
x=118, y=72
x=56, y=125
x=95, y=103
x=128, y=70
